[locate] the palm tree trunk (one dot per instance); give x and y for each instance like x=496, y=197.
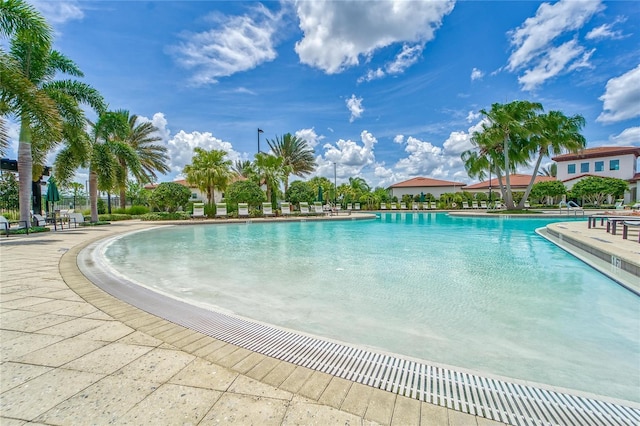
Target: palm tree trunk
x=93, y=195
x=533, y=179
x=123, y=198
x=508, y=199
x=25, y=170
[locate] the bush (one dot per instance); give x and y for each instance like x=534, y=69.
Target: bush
x=157, y=216
x=102, y=206
x=169, y=196
x=300, y=191
x=245, y=191
x=114, y=217
x=138, y=210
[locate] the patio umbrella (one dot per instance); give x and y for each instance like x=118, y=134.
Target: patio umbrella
x=52, y=193
x=320, y=193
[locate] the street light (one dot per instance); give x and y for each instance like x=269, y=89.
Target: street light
x=335, y=185
x=259, y=131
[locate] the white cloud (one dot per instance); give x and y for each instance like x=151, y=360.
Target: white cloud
x=472, y=116
x=398, y=139
x=355, y=107
x=310, y=136
x=620, y=100
x=554, y=62
x=372, y=75
x=59, y=12
x=350, y=156
x=628, y=137
x=408, y=56
x=338, y=33
x=533, y=40
x=604, y=32
x=238, y=43
x=476, y=74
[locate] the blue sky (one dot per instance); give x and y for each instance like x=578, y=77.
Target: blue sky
x=386, y=90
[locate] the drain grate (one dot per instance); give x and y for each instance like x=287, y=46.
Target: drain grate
x=493, y=399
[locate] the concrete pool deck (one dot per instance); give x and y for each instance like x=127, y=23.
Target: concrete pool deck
x=72, y=354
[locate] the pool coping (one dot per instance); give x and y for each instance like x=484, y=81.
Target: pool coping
x=508, y=401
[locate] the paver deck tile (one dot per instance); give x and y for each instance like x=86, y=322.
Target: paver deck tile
x=263, y=368
x=61, y=352
x=234, y=357
x=315, y=385
x=306, y=413
x=15, y=348
x=406, y=412
x=203, y=374
x=279, y=374
x=72, y=328
x=380, y=408
x=248, y=362
x=108, y=331
x=336, y=392
x=109, y=358
x=245, y=410
x=433, y=415
x=248, y=386
x=357, y=399
x=14, y=374
x=296, y=379
x=157, y=365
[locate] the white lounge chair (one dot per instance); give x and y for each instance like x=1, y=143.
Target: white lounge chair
x=383, y=206
x=221, y=210
x=285, y=208
x=619, y=204
x=5, y=225
x=433, y=205
x=394, y=206
x=527, y=205
x=317, y=208
x=483, y=205
x=243, y=210
x=304, y=208
x=267, y=210
x=76, y=218
x=198, y=211
x=349, y=207
x=403, y=206
x=465, y=204
x=356, y=206
x=38, y=220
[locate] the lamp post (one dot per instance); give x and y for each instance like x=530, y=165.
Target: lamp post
x=335, y=185
x=259, y=131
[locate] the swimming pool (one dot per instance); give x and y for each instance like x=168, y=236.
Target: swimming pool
x=484, y=294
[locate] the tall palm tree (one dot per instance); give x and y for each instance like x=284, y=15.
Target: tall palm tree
x=553, y=133
x=243, y=168
x=101, y=150
x=153, y=157
x=297, y=155
x=209, y=170
x=512, y=125
x=40, y=65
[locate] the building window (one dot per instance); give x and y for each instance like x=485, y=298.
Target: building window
x=194, y=195
x=571, y=169
x=599, y=166
x=584, y=167
x=614, y=165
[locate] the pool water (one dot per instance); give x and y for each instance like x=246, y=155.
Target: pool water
x=488, y=295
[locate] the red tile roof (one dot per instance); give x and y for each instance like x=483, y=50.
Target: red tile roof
x=419, y=182
x=602, y=151
x=516, y=180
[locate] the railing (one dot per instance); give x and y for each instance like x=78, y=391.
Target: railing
x=571, y=206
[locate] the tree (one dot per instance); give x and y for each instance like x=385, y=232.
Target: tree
x=153, y=157
x=508, y=129
x=551, y=171
x=300, y=191
x=169, y=196
x=553, y=134
x=549, y=190
x=209, y=170
x=244, y=168
x=595, y=189
x=100, y=151
x=271, y=171
x=245, y=191
x=328, y=190
x=18, y=95
x=40, y=65
x=296, y=153
x=9, y=193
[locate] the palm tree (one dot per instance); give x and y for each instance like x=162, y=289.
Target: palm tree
x=101, y=150
x=553, y=134
x=297, y=155
x=153, y=157
x=40, y=65
x=511, y=124
x=243, y=168
x=551, y=171
x=209, y=170
x=271, y=170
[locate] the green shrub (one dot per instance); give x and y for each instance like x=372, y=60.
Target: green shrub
x=114, y=217
x=170, y=196
x=138, y=210
x=102, y=206
x=157, y=216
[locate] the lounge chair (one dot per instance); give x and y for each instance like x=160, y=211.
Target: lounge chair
x=474, y=204
x=349, y=207
x=76, y=218
x=465, y=204
x=483, y=205
x=304, y=208
x=498, y=205
x=619, y=205
x=383, y=206
x=243, y=210
x=198, y=211
x=394, y=206
x=221, y=210
x=38, y=220
x=267, y=210
x=5, y=225
x=285, y=208
x=317, y=208
x=433, y=205
x=403, y=206
x=425, y=205
x=527, y=205
x=356, y=206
